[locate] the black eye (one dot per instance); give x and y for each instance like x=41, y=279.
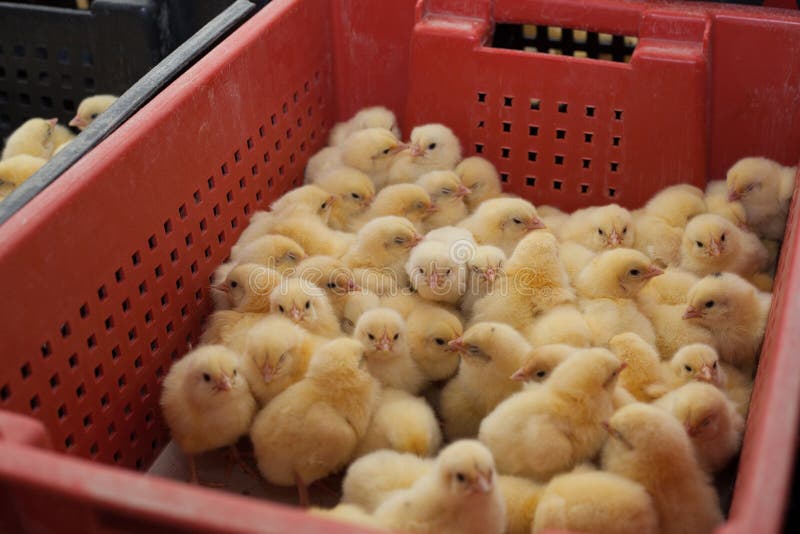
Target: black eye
x=234, y=372
x=431, y=146
x=709, y=304
x=324, y=205
x=460, y=477
x=355, y=195
x=386, y=151
x=448, y=271
x=541, y=374
x=93, y=116
x=600, y=231
x=634, y=272
x=517, y=220
x=625, y=230
x=234, y=284
x=396, y=336
x=206, y=377
x=280, y=308
x=715, y=365
x=688, y=368
x=331, y=285
x=699, y=243
x=370, y=336
x=308, y=304
x=439, y=341
x=722, y=238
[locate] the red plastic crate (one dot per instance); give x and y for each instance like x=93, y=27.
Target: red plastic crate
x=104, y=275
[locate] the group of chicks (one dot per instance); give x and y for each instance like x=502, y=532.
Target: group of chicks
x=590, y=371
x=37, y=140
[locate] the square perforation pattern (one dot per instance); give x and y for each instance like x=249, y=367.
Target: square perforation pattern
x=94, y=380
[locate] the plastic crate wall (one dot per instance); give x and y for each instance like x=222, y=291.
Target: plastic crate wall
x=106, y=272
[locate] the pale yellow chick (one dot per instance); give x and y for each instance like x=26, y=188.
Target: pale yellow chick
x=402, y=200
x=447, y=194
x=540, y=362
x=717, y=202
x=643, y=376
x=404, y=423
x=660, y=241
x=436, y=272
x=734, y=312
x=347, y=513
x=671, y=287
x=229, y=328
x=502, y=222
x=672, y=331
x=575, y=257
x=430, y=331
x=354, y=192
x=312, y=428
x=206, y=402
x=490, y=354
x=246, y=288
x=485, y=271
x=595, y=502
x=460, y=495
x=17, y=169
x=562, y=324
x=306, y=305
x=335, y=278
x=372, y=151
x=373, y=478
x=355, y=306
x=648, y=446
x=275, y=356
x=380, y=253
x=481, y=178
x=712, y=244
x=599, y=228
x=543, y=431
x=274, y=251
x=522, y=497
x=90, y=108
x=34, y=137
x=764, y=187
x=383, y=333
x=432, y=147
x=61, y=137
x=710, y=420
x=372, y=117
x=677, y=204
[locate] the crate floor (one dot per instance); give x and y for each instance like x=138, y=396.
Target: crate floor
x=216, y=468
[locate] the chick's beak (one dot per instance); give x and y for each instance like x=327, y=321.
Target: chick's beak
x=705, y=374
x=614, y=238
x=78, y=122
x=52, y=122
x=490, y=274
x=520, y=375
x=462, y=191
x=400, y=147
x=415, y=240
x=224, y=383
x=651, y=272
x=296, y=314
x=483, y=483
x=734, y=195
x=457, y=345
x=415, y=150
x=433, y=208
x=692, y=313
x=535, y=224
x=433, y=279
x=384, y=343
x=715, y=247
x=225, y=288
x=352, y=286
x=268, y=373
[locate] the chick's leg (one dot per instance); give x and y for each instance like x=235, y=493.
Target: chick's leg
x=243, y=465
x=302, y=491
x=192, y=470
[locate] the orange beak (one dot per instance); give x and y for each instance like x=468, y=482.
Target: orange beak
x=535, y=224
x=415, y=240
x=734, y=195
x=705, y=374
x=520, y=375
x=367, y=202
x=715, y=247
x=296, y=314
x=458, y=345
x=52, y=122
x=692, y=313
x=224, y=384
x=462, y=191
x=651, y=272
x=398, y=148
x=483, y=484
x=433, y=208
x=416, y=150
x=384, y=343
x=78, y=122
x=225, y=288
x=614, y=239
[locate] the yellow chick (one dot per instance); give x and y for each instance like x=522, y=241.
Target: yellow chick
x=274, y=251
x=700, y=362
x=275, y=356
x=229, y=328
x=335, y=278
x=502, y=222
x=308, y=200
x=90, y=108
x=575, y=257
x=247, y=287
x=677, y=205
x=485, y=271
x=430, y=331
x=595, y=502
x=356, y=304
x=34, y=137
x=764, y=187
x=536, y=282
x=648, y=446
x=354, y=192
x=657, y=239
x=712, y=244
x=521, y=497
x=490, y=354
x=562, y=324
x=323, y=162
x=402, y=200
x=380, y=252
x=17, y=169
x=206, y=402
x=61, y=137
x=540, y=362
x=552, y=216
x=643, y=376
x=382, y=331
x=404, y=423
x=306, y=305
x=372, y=151
x=481, y=178
x=460, y=495
x=347, y=513
x=717, y=202
x=599, y=228
x=734, y=312
x=372, y=117
x=710, y=420
x=433, y=147
x=447, y=194
x=608, y=287
x=671, y=287
x=373, y=478
x=436, y=272
x=543, y=431
x=312, y=428
x=672, y=331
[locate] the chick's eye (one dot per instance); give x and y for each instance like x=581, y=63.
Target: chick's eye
x=600, y=231
x=324, y=205
x=709, y=304
x=625, y=230
x=386, y=151
x=460, y=477
x=750, y=187
x=448, y=271
x=93, y=115
x=445, y=191
x=431, y=146
x=308, y=304
x=396, y=337
x=399, y=240
x=475, y=186
x=541, y=374
x=206, y=377
x=634, y=272
x=699, y=243
x=331, y=285
x=517, y=220
x=688, y=368
x=234, y=284
x=722, y=238
x=715, y=365
x=439, y=341
x=355, y=196
x=234, y=372
x=280, y=308
x=419, y=205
